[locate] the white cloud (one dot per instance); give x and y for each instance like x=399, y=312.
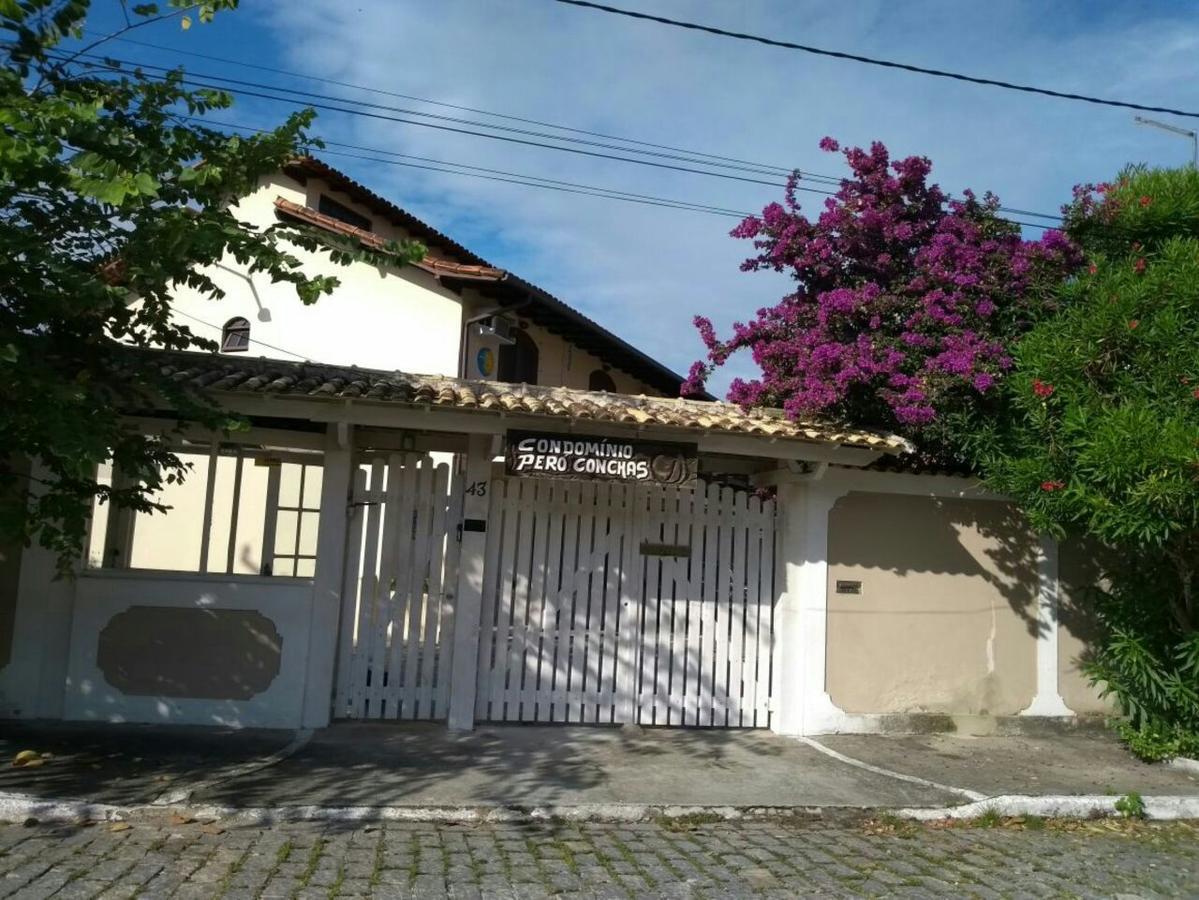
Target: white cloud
x=644, y=272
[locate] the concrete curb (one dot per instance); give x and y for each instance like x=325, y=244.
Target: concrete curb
x=1165, y=808
x=1184, y=764
x=18, y=808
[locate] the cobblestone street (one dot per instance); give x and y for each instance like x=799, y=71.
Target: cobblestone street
x=763, y=859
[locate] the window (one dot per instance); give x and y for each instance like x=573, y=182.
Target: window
x=242, y=510
x=599, y=380
x=235, y=336
x=342, y=213
x=519, y=361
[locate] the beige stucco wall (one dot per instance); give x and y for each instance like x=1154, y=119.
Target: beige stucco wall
x=1078, y=570
x=392, y=318
x=944, y=620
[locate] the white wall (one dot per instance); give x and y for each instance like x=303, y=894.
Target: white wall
x=101, y=596
x=377, y=318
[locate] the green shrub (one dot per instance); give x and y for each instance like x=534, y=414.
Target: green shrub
x=1098, y=438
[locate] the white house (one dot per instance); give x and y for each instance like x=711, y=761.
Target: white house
x=460, y=500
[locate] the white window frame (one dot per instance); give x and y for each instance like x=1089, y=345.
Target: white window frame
x=277, y=447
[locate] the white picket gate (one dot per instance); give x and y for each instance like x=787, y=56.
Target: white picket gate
x=397, y=604
x=614, y=603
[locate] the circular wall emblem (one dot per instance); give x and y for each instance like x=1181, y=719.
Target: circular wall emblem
x=485, y=361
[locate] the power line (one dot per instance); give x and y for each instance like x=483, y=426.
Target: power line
x=873, y=61
x=782, y=170
x=500, y=175
x=318, y=101
x=110, y=63
x=753, y=169
x=761, y=168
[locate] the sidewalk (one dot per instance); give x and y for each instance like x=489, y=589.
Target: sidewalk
x=421, y=766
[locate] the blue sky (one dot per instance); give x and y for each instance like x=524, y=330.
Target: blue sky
x=644, y=272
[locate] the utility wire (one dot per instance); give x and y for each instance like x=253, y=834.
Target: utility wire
x=776, y=169
x=752, y=169
x=437, y=165
x=873, y=61
x=317, y=101
x=781, y=170
x=697, y=156
x=110, y=64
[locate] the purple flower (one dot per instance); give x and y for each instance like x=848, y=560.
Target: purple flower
x=898, y=299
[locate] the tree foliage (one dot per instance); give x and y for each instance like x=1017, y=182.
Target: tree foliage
x=110, y=191
x=1100, y=434
x=906, y=300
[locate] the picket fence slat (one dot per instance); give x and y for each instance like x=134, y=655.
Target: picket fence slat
x=402, y=569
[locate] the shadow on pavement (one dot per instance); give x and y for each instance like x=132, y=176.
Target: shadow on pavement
x=419, y=764
x=123, y=764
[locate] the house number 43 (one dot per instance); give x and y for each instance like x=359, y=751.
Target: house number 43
x=477, y=489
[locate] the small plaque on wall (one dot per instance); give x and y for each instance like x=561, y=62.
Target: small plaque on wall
x=849, y=587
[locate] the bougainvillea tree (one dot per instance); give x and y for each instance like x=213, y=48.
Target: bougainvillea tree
x=905, y=301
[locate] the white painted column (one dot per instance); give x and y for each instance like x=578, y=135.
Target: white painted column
x=1048, y=699
x=801, y=701
x=33, y=684
x=468, y=598
x=786, y=699
x=328, y=578
x=820, y=714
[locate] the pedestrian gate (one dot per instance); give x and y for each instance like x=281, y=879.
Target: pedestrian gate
x=602, y=602
x=397, y=601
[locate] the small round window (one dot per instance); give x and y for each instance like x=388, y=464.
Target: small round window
x=235, y=336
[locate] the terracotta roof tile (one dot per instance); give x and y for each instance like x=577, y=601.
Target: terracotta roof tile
x=243, y=375
x=310, y=216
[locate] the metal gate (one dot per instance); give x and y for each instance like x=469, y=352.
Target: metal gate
x=397, y=604
x=612, y=603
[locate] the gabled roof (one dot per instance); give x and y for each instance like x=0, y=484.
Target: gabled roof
x=313, y=381
x=507, y=290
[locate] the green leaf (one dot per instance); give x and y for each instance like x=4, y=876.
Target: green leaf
x=145, y=183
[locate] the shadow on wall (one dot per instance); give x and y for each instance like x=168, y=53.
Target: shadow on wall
x=204, y=654
x=912, y=536
x=947, y=609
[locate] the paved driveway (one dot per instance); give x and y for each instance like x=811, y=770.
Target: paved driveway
x=810, y=858
x=424, y=765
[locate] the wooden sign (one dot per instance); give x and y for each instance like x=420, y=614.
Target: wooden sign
x=536, y=454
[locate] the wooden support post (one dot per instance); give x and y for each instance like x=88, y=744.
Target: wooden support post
x=328, y=578
x=468, y=598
